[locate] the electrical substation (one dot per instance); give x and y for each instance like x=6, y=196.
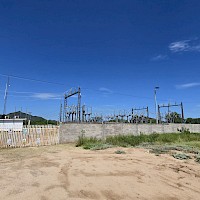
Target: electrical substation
x=72, y=113
x=77, y=113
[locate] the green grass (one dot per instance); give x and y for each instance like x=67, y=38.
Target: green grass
x=183, y=139
x=195, y=144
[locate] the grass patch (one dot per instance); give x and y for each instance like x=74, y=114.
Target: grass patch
x=97, y=146
x=176, y=139
x=158, y=151
x=172, y=147
x=195, y=144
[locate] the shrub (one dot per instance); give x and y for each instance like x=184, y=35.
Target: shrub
x=183, y=130
x=181, y=156
x=120, y=152
x=81, y=140
x=197, y=159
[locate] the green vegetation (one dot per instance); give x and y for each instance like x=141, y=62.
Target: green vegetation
x=158, y=151
x=192, y=121
x=181, y=156
x=161, y=149
x=184, y=138
x=169, y=143
x=197, y=158
x=99, y=146
x=120, y=152
x=92, y=143
x=173, y=117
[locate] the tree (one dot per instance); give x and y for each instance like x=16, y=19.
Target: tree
x=193, y=121
x=173, y=117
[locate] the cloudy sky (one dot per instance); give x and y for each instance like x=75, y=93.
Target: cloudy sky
x=117, y=51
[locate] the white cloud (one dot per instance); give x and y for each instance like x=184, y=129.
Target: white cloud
x=185, y=45
x=187, y=85
x=46, y=96
x=159, y=57
x=105, y=90
x=179, y=46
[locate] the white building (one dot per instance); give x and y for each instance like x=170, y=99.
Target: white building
x=15, y=124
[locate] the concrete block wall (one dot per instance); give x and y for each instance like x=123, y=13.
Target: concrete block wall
x=70, y=132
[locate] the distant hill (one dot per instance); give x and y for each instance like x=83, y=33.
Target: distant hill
x=35, y=120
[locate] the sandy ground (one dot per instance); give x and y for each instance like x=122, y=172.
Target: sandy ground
x=65, y=172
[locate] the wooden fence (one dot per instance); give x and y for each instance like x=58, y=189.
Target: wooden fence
x=29, y=137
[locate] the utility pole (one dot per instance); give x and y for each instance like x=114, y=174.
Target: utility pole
x=6, y=96
x=15, y=112
x=182, y=113
x=29, y=121
x=60, y=117
x=26, y=116
x=155, y=89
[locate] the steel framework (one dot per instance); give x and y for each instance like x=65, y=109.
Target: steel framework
x=168, y=106
x=73, y=111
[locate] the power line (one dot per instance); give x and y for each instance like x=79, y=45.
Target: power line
x=30, y=79
x=96, y=90
x=123, y=94
x=19, y=92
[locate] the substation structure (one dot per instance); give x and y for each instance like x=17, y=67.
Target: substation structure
x=82, y=114
x=170, y=117
x=72, y=113
x=136, y=115
x=77, y=113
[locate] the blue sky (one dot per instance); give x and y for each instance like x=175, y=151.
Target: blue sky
x=116, y=51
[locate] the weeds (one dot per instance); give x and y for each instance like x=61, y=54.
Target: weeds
x=181, y=156
x=174, y=147
x=197, y=158
x=184, y=142
x=158, y=151
x=80, y=140
x=132, y=141
x=120, y=152
x=97, y=146
x=183, y=130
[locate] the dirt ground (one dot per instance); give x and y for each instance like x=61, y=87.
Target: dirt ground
x=65, y=172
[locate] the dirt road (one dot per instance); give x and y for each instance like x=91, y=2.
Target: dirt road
x=70, y=173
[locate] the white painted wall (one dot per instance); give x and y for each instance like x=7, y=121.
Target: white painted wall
x=11, y=124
